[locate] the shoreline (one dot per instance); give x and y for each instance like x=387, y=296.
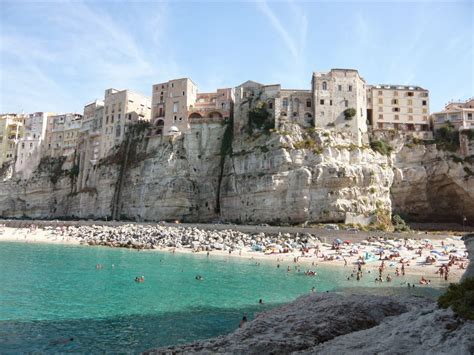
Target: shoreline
x=310, y=262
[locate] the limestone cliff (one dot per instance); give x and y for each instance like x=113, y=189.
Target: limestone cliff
x=432, y=185
x=288, y=176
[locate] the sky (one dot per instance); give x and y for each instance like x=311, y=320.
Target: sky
x=57, y=56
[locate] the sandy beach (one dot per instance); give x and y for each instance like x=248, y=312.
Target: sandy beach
x=346, y=255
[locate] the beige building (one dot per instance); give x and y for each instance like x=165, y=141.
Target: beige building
x=283, y=105
x=121, y=108
x=459, y=114
x=401, y=108
x=29, y=150
x=177, y=102
x=62, y=135
x=89, y=143
x=11, y=131
x=334, y=94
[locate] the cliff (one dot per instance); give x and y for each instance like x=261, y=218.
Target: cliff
x=290, y=176
x=432, y=185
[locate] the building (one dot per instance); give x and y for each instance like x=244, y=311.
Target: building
x=401, y=108
x=339, y=98
x=30, y=146
x=282, y=105
x=62, y=135
x=11, y=131
x=89, y=142
x=458, y=114
x=121, y=108
x=176, y=103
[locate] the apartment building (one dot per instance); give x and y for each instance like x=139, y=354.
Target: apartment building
x=458, y=114
x=121, y=108
x=176, y=103
x=339, y=98
x=283, y=105
x=401, y=108
x=89, y=142
x=11, y=131
x=30, y=146
x=62, y=134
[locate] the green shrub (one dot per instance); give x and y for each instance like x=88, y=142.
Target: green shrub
x=468, y=171
x=259, y=118
x=399, y=224
x=447, y=138
x=456, y=159
x=381, y=147
x=460, y=297
x=349, y=113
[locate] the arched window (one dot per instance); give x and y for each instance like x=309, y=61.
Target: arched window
x=325, y=85
x=285, y=102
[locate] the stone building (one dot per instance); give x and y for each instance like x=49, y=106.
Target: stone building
x=334, y=94
x=88, y=147
x=283, y=105
x=401, y=108
x=62, y=135
x=11, y=131
x=458, y=114
x=30, y=147
x=176, y=102
x=121, y=108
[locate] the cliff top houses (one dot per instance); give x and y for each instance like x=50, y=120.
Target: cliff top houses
x=338, y=100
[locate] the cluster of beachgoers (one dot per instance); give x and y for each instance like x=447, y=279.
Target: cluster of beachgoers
x=445, y=258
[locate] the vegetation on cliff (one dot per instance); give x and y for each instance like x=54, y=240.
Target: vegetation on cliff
x=460, y=297
x=447, y=138
x=382, y=147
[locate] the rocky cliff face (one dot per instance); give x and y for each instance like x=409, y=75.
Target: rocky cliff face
x=432, y=185
x=288, y=176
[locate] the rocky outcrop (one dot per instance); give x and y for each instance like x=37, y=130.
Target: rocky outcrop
x=303, y=324
x=290, y=176
x=432, y=185
x=469, y=241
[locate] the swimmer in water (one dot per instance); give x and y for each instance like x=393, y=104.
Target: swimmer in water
x=61, y=341
x=260, y=301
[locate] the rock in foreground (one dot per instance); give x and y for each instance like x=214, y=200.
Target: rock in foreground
x=305, y=323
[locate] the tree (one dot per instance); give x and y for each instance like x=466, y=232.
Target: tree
x=349, y=113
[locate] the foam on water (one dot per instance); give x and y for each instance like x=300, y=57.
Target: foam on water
x=50, y=293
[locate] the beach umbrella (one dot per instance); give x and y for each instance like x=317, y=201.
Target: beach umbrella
x=347, y=242
x=338, y=241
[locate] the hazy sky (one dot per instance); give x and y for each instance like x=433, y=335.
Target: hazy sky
x=58, y=56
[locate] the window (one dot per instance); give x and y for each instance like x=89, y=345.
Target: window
x=112, y=119
x=117, y=131
x=361, y=113
x=183, y=93
x=113, y=108
x=339, y=87
x=330, y=102
x=118, y=116
x=410, y=110
x=285, y=102
x=380, y=93
x=425, y=118
x=172, y=85
x=424, y=102
x=129, y=116
x=175, y=107
x=396, y=109
x=380, y=101
x=270, y=105
x=350, y=87
x=410, y=118
x=120, y=107
x=106, y=109
x=425, y=110
x=181, y=118
x=346, y=103
x=325, y=85
x=410, y=102
x=395, y=102
x=380, y=108
x=380, y=117
x=308, y=103
x=409, y=93
x=321, y=102
x=469, y=116
x=161, y=98
x=174, y=118
x=295, y=114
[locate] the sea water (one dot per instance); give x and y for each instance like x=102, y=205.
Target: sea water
x=52, y=293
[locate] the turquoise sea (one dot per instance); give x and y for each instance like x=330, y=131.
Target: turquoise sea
x=50, y=293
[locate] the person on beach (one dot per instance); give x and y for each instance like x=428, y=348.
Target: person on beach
x=403, y=269
x=243, y=321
